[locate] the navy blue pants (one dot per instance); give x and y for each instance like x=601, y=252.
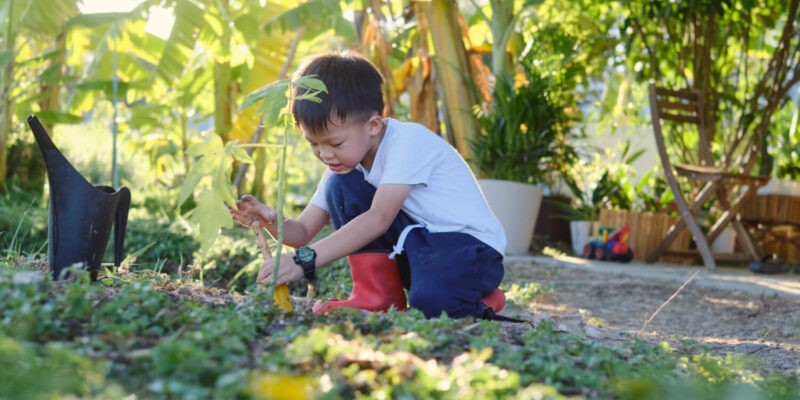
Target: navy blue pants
x=444, y=271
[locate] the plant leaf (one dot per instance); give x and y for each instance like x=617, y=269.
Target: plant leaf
x=281, y=297
x=210, y=216
x=271, y=93
x=311, y=83
x=240, y=154
x=209, y=152
x=55, y=117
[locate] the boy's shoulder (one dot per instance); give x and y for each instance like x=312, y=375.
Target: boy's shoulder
x=413, y=132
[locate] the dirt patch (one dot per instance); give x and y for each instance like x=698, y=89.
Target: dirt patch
x=611, y=307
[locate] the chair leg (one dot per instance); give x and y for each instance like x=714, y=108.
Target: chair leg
x=731, y=216
x=699, y=238
x=746, y=241
x=701, y=242
x=672, y=233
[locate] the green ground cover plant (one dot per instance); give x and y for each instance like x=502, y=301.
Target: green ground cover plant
x=161, y=337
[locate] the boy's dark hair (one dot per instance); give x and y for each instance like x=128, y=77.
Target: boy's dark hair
x=354, y=91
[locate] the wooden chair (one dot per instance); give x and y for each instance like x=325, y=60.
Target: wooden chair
x=685, y=107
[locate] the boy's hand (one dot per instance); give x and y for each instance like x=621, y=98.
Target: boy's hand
x=248, y=209
x=287, y=272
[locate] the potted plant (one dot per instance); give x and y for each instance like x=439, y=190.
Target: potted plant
x=520, y=144
x=595, y=185
x=584, y=211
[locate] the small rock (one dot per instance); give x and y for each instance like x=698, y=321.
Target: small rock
x=27, y=277
x=571, y=328
x=593, y=332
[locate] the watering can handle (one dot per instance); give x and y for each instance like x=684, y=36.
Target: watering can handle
x=120, y=223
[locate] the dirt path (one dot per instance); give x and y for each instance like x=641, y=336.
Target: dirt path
x=611, y=307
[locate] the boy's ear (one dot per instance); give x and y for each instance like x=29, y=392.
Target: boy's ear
x=375, y=124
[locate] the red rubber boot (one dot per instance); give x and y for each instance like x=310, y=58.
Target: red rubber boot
x=495, y=300
x=376, y=285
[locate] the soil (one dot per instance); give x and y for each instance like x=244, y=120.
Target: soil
x=613, y=308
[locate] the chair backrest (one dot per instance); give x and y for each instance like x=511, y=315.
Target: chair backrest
x=682, y=106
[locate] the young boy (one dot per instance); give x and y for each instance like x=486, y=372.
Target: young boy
x=406, y=208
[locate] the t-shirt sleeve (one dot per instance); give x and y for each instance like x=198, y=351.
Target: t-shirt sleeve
x=411, y=159
x=319, y=196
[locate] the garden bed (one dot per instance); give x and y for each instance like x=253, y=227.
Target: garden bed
x=157, y=337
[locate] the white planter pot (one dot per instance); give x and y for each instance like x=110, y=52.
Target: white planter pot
x=725, y=242
x=516, y=205
x=580, y=231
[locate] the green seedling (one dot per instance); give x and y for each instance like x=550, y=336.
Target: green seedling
x=214, y=161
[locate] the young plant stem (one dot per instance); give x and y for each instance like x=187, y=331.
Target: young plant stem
x=281, y=187
x=312, y=289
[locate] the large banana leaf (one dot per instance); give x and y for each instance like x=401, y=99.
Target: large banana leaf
x=269, y=55
x=179, y=48
x=43, y=17
x=314, y=16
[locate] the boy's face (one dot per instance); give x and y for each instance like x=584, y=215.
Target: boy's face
x=345, y=145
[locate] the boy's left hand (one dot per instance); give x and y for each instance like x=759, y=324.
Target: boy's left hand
x=287, y=272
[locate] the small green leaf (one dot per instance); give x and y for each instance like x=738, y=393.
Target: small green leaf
x=311, y=83
x=274, y=94
x=209, y=153
x=643, y=182
x=310, y=96
x=240, y=154
x=210, y=216
x=193, y=178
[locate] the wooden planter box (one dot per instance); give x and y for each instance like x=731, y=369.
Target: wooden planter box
x=775, y=221
x=647, y=230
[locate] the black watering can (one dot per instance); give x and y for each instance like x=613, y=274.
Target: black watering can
x=81, y=214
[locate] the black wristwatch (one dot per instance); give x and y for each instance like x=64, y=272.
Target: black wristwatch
x=306, y=257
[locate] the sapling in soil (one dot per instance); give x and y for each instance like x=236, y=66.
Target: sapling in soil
x=215, y=161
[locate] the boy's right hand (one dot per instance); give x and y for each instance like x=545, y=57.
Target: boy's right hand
x=248, y=209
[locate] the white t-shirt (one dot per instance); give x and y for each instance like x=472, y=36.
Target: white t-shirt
x=444, y=195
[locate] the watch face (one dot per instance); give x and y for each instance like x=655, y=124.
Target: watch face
x=305, y=254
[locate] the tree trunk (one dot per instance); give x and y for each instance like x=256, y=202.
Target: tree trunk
x=380, y=49
x=452, y=69
x=51, y=91
x=224, y=94
x=223, y=98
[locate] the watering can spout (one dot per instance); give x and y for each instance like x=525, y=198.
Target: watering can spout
x=81, y=215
